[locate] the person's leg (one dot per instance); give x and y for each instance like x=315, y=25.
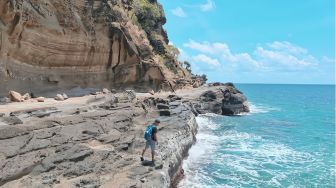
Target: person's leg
x=152, y=144
x=144, y=150
x=153, y=154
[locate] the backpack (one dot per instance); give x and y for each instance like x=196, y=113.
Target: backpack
x=148, y=132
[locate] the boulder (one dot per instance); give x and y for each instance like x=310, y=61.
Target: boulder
x=209, y=95
x=106, y=91
x=59, y=97
x=26, y=96
x=65, y=96
x=152, y=92
x=14, y=96
x=234, y=103
x=40, y=99
x=226, y=100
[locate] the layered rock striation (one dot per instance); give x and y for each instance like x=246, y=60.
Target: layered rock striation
x=48, y=45
x=96, y=141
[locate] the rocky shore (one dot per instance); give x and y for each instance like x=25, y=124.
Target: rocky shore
x=96, y=141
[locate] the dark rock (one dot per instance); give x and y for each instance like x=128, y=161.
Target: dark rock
x=229, y=84
x=226, y=100
x=162, y=106
x=209, y=95
x=164, y=113
x=174, y=98
x=162, y=101
x=234, y=104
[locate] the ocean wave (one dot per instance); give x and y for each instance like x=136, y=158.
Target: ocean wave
x=259, y=108
x=240, y=159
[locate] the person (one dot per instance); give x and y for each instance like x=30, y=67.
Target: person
x=152, y=140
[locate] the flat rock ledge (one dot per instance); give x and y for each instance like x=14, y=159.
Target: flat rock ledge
x=98, y=143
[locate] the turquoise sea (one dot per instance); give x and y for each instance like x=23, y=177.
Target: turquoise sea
x=287, y=140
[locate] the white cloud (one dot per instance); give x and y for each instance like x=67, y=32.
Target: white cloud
x=206, y=59
x=179, y=12
x=204, y=47
x=287, y=47
x=275, y=56
x=208, y=6
x=328, y=59
x=284, y=57
x=223, y=52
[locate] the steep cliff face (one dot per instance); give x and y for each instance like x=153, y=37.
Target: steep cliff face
x=55, y=44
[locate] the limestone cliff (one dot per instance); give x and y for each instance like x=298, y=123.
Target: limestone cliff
x=55, y=44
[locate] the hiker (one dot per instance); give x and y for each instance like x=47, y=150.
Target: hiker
x=151, y=138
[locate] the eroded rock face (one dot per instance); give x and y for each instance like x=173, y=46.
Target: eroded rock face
x=222, y=99
x=53, y=44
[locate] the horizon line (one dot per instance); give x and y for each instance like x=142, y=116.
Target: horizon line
x=331, y=84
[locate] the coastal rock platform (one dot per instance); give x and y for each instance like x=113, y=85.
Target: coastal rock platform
x=96, y=140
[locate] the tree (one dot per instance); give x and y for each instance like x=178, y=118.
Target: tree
x=187, y=66
x=204, y=77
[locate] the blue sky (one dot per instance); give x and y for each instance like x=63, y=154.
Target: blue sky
x=255, y=41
